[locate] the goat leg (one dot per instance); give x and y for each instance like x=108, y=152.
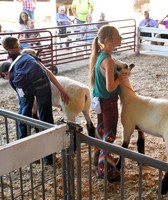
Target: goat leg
x=141, y=142
x=90, y=129
x=164, y=188
x=118, y=165
x=35, y=117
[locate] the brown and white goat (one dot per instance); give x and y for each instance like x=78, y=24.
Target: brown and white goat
x=149, y=115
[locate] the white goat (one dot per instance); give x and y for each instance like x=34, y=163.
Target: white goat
x=80, y=100
x=148, y=114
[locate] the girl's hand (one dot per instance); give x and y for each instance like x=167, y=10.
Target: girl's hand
x=122, y=77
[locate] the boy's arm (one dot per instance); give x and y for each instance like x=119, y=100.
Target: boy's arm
x=63, y=93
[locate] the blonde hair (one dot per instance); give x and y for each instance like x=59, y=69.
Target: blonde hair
x=105, y=32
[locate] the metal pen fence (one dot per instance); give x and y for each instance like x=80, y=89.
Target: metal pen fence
x=58, y=49
x=24, y=176
x=150, y=44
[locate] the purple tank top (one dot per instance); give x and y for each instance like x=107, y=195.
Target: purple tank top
x=166, y=23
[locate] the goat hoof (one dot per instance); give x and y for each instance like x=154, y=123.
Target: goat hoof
x=91, y=130
x=114, y=178
x=36, y=129
x=164, y=189
x=96, y=157
x=118, y=165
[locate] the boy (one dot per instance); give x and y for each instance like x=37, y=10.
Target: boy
x=30, y=79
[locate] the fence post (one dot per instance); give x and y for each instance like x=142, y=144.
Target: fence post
x=137, y=39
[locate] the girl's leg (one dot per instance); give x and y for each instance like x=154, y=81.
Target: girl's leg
x=110, y=119
x=98, y=135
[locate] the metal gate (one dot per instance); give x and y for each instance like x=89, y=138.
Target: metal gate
x=52, y=45
x=24, y=176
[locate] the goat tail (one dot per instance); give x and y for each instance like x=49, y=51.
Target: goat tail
x=86, y=97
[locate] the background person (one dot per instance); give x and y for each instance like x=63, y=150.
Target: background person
x=62, y=19
x=89, y=27
x=23, y=19
x=105, y=22
x=23, y=25
x=80, y=9
x=31, y=26
x=29, y=6
x=147, y=22
x=164, y=22
x=102, y=20
x=104, y=86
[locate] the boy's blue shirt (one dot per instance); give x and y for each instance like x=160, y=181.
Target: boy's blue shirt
x=25, y=70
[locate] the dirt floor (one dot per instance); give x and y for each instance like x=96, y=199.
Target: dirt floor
x=149, y=78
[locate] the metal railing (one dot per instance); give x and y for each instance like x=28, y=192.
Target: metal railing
x=22, y=177
x=148, y=44
x=42, y=43
x=125, y=154
x=57, y=49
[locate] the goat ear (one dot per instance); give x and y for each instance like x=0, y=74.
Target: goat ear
x=38, y=52
x=131, y=66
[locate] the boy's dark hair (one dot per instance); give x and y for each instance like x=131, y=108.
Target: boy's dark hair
x=9, y=42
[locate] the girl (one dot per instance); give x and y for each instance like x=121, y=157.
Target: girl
x=23, y=19
x=105, y=82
